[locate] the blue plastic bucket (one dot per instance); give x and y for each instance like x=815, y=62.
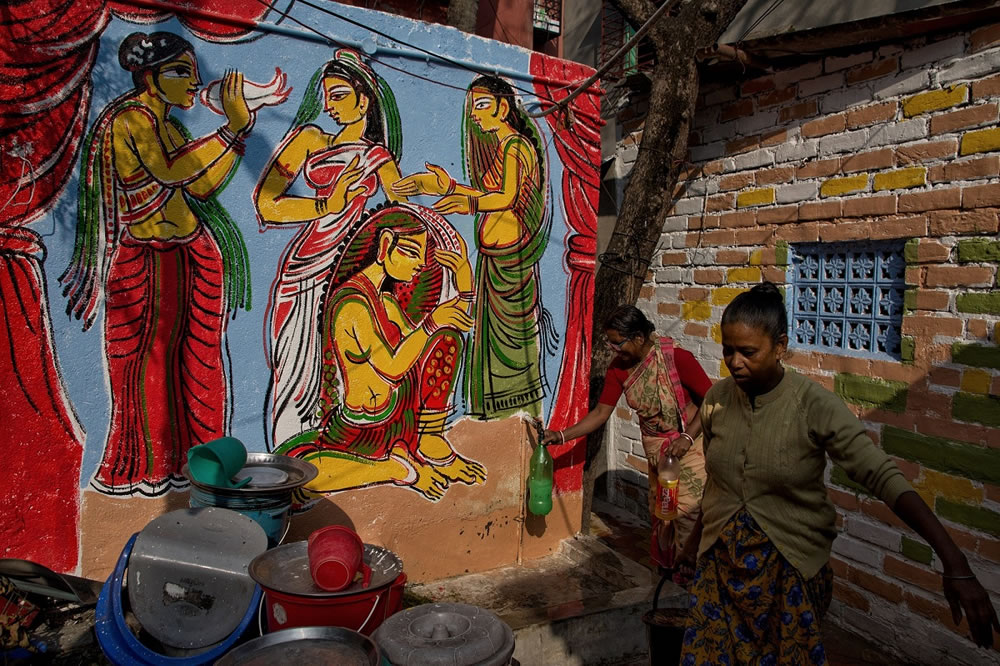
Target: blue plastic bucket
x=268, y=511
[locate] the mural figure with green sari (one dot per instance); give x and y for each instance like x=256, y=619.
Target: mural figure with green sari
x=505, y=164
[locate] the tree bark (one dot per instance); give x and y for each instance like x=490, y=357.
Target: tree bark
x=677, y=36
x=462, y=14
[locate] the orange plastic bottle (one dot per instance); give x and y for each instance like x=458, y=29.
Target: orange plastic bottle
x=668, y=471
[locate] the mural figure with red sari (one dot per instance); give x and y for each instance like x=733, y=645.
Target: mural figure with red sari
x=166, y=260
x=505, y=162
x=399, y=301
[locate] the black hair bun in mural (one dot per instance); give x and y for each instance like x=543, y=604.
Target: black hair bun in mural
x=139, y=51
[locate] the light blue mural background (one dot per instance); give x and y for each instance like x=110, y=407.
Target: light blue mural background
x=431, y=122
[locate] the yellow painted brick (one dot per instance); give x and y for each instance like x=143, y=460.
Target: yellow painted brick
x=976, y=381
x=750, y=274
x=757, y=257
x=725, y=295
x=699, y=310
x=980, y=141
x=935, y=100
x=952, y=487
x=837, y=186
x=996, y=332
x=895, y=180
x=755, y=197
x=717, y=333
x=723, y=370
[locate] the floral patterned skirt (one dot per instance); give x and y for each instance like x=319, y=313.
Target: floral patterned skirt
x=749, y=605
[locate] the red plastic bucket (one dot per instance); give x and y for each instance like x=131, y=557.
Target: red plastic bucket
x=362, y=612
x=335, y=557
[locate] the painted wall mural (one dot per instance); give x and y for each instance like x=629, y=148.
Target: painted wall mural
x=325, y=247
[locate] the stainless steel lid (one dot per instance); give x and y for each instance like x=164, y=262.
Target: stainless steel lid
x=286, y=569
x=270, y=473
x=445, y=633
x=306, y=645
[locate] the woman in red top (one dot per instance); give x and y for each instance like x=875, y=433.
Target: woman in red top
x=664, y=385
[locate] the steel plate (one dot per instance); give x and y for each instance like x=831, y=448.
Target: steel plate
x=286, y=569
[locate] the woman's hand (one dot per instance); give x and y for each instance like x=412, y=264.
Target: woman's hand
x=459, y=204
x=234, y=104
x=552, y=437
x=451, y=314
x=458, y=262
x=680, y=446
x=968, y=594
x=344, y=192
x=433, y=181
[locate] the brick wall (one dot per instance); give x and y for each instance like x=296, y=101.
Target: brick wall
x=898, y=141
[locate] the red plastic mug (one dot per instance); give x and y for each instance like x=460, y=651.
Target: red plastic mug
x=335, y=557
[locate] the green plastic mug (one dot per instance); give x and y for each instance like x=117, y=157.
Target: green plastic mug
x=215, y=463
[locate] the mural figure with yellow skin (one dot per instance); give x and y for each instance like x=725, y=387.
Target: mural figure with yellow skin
x=345, y=169
x=165, y=258
x=505, y=163
x=392, y=345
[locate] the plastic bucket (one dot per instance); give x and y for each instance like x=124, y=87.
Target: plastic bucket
x=270, y=512
x=664, y=630
x=335, y=558
x=362, y=612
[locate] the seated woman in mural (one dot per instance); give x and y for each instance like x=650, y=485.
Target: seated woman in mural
x=166, y=259
x=345, y=169
x=391, y=347
x=505, y=162
x=664, y=385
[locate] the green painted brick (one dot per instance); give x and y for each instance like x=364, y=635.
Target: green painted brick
x=975, y=408
x=871, y=392
x=966, y=514
x=978, y=356
x=966, y=460
x=988, y=303
x=910, y=250
x=977, y=249
x=906, y=349
x=916, y=551
x=910, y=300
x=781, y=253
x=839, y=477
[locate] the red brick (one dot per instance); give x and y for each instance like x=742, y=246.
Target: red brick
x=824, y=126
x=945, y=377
x=774, y=137
x=819, y=210
x=923, y=577
x=980, y=196
x=869, y=115
x=899, y=227
x=696, y=330
x=983, y=167
x=895, y=371
x=972, y=116
x=709, y=276
x=732, y=257
x=930, y=326
x=941, y=199
x=984, y=37
x=819, y=168
x=796, y=111
x=739, y=109
x=844, y=500
x=945, y=223
x=978, y=328
x=673, y=259
x=775, y=97
x=742, y=218
x=989, y=548
x=646, y=292
x=776, y=175
x=668, y=309
x=911, y=470
x=693, y=294
x=988, y=87
x=850, y=596
x=637, y=463
x=959, y=276
x=754, y=86
x=778, y=215
x=872, y=71
x=877, y=509
x=868, y=206
x=717, y=237
x=875, y=584
x=914, y=275
x=932, y=300
x=929, y=150
x=839, y=567
x=875, y=159
x=743, y=144
x=936, y=610
x=844, y=231
x=774, y=274
x=736, y=181
x=753, y=237
x=713, y=168
x=948, y=429
x=720, y=202
x=798, y=233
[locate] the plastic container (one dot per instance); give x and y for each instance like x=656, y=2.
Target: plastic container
x=335, y=558
x=668, y=472
x=540, y=481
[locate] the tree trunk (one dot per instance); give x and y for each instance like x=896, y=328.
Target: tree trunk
x=677, y=36
x=462, y=14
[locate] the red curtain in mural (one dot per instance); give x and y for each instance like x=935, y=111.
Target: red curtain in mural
x=47, y=53
x=579, y=149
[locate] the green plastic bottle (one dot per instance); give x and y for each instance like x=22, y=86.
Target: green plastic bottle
x=540, y=481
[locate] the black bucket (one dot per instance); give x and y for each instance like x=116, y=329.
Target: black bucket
x=664, y=630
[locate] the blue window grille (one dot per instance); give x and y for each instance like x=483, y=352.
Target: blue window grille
x=847, y=298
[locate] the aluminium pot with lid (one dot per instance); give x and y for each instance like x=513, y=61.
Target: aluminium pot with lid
x=445, y=633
